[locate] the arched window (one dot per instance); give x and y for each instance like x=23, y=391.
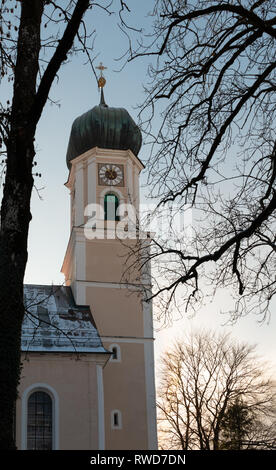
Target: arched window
x=116, y=419
x=40, y=421
x=116, y=353
x=111, y=204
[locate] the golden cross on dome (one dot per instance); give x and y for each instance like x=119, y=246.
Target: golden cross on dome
x=101, y=80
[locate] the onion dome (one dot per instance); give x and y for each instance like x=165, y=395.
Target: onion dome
x=104, y=127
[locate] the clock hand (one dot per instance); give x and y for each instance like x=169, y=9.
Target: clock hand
x=112, y=174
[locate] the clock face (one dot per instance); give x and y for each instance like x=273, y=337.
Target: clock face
x=111, y=174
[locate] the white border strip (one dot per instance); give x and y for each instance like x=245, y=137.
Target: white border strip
x=150, y=396
x=101, y=430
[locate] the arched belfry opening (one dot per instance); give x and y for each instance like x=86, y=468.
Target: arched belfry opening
x=111, y=204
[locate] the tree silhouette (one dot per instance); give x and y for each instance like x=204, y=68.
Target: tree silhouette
x=209, y=117
x=30, y=59
x=214, y=394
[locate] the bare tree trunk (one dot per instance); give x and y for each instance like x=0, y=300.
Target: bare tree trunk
x=27, y=106
x=15, y=213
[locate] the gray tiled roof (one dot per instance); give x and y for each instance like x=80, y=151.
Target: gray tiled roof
x=54, y=323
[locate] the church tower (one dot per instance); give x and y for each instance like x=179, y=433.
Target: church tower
x=104, y=170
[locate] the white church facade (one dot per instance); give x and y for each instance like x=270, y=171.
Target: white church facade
x=87, y=378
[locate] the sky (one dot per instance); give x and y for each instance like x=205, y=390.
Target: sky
x=76, y=92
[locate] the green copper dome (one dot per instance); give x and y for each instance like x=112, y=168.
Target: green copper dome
x=104, y=127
